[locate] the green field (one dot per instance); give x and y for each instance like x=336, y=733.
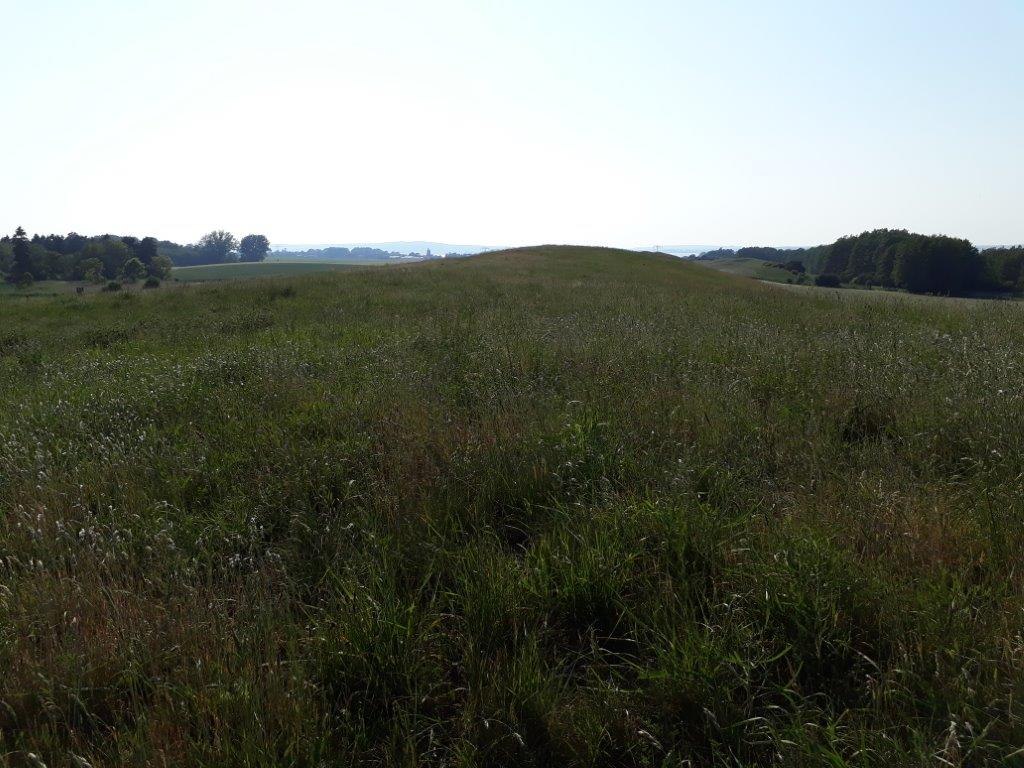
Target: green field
x=756, y=268
x=238, y=270
x=545, y=507
x=347, y=262
x=39, y=288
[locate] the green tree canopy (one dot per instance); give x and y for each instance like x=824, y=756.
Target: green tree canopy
x=160, y=267
x=254, y=248
x=146, y=250
x=6, y=257
x=133, y=269
x=21, y=267
x=218, y=246
x=111, y=251
x=90, y=269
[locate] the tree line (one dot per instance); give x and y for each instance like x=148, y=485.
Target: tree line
x=896, y=258
x=24, y=260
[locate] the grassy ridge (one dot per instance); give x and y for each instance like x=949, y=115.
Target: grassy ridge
x=546, y=507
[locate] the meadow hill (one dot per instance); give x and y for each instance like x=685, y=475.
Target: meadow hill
x=892, y=259
x=387, y=471
x=544, y=507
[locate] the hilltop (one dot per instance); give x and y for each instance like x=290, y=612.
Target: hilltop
x=550, y=506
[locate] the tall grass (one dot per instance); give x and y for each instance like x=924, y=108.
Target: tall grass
x=546, y=507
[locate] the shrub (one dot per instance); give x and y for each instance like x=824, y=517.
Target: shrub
x=151, y=282
x=828, y=281
x=112, y=286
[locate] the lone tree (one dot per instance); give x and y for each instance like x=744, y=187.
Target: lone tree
x=146, y=250
x=160, y=267
x=217, y=247
x=133, y=269
x=254, y=248
x=21, y=268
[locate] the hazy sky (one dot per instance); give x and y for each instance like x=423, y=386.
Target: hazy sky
x=513, y=122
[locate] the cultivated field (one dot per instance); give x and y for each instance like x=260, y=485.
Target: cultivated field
x=545, y=507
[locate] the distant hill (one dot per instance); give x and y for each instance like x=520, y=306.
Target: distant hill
x=683, y=250
x=401, y=247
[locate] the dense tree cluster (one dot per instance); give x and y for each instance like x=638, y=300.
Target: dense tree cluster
x=1005, y=267
x=717, y=253
x=75, y=257
x=109, y=257
x=895, y=258
x=900, y=259
x=217, y=247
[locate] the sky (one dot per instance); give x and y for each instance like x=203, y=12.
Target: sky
x=637, y=122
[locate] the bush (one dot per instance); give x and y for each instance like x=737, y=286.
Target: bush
x=828, y=281
x=112, y=286
x=151, y=282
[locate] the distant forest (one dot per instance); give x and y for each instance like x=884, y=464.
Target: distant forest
x=24, y=260
x=895, y=258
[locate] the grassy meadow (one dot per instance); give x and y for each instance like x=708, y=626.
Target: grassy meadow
x=239, y=270
x=755, y=268
x=38, y=288
x=544, y=507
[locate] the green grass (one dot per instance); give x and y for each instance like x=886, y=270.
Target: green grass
x=879, y=293
x=545, y=507
x=755, y=268
x=235, y=271
x=39, y=288
x=271, y=259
